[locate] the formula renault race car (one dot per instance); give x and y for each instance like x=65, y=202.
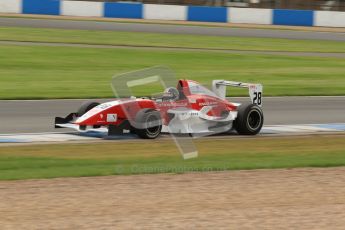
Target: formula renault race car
x=190, y=108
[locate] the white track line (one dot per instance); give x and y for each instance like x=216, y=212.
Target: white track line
x=102, y=134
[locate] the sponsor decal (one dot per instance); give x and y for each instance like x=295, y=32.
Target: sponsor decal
x=111, y=117
x=208, y=103
x=167, y=104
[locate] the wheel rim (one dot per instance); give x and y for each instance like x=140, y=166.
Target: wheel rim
x=152, y=130
x=254, y=119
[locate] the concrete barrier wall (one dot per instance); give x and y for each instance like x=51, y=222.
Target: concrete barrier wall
x=293, y=17
x=88, y=9
x=165, y=12
x=11, y=6
x=207, y=14
x=172, y=12
x=123, y=10
x=250, y=15
x=51, y=7
x=328, y=18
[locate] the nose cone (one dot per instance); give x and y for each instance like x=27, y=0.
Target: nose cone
x=98, y=114
x=88, y=117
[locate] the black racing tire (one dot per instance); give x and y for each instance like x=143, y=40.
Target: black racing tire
x=85, y=107
x=148, y=123
x=250, y=119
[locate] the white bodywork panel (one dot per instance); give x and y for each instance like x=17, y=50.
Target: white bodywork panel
x=193, y=121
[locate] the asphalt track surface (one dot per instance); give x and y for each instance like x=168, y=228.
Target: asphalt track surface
x=172, y=29
x=38, y=116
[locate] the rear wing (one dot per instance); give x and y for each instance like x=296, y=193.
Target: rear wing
x=255, y=90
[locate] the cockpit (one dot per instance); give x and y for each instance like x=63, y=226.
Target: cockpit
x=183, y=89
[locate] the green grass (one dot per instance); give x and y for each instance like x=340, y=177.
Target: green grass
x=167, y=40
x=28, y=72
x=125, y=158
x=41, y=72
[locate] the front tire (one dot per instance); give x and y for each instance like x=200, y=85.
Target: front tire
x=148, y=124
x=250, y=119
x=85, y=107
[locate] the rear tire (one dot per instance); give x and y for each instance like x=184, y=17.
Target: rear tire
x=149, y=124
x=250, y=119
x=85, y=107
